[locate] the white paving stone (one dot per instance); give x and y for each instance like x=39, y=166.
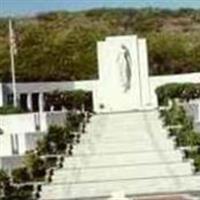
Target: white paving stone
x=121, y=172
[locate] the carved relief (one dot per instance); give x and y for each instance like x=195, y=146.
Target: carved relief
x=124, y=64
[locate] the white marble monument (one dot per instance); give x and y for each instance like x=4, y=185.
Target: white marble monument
x=123, y=75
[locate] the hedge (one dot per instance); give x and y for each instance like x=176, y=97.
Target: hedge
x=69, y=99
x=5, y=110
x=184, y=133
x=183, y=91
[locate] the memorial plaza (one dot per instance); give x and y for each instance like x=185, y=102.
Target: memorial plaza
x=126, y=148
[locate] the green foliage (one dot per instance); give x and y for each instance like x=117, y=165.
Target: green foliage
x=175, y=116
x=3, y=177
x=74, y=120
x=21, y=175
x=197, y=162
x=19, y=193
x=10, y=110
x=51, y=162
x=170, y=53
x=4, y=183
x=62, y=45
x=183, y=91
x=184, y=134
x=55, y=141
x=35, y=166
x=69, y=99
x=195, y=155
x=188, y=138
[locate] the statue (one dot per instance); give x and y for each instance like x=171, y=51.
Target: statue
x=124, y=64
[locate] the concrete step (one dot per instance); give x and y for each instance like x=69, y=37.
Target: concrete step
x=142, y=138
x=148, y=157
x=128, y=152
x=129, y=186
x=104, y=148
x=130, y=136
x=78, y=175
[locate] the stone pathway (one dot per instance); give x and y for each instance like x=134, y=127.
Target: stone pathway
x=127, y=152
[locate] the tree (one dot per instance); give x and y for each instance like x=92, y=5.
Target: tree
x=70, y=39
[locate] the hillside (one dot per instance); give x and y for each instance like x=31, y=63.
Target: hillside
x=62, y=45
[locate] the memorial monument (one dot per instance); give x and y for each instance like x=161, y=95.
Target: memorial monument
x=123, y=75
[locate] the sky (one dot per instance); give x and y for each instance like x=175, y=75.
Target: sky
x=31, y=7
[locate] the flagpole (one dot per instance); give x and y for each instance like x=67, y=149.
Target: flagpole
x=12, y=62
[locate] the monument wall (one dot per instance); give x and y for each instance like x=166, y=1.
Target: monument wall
x=123, y=74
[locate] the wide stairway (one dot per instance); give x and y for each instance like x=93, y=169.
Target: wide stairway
x=126, y=152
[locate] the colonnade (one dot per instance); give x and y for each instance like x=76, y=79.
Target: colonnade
x=29, y=102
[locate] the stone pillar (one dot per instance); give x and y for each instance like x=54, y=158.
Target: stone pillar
x=29, y=102
x=144, y=74
x=1, y=94
x=41, y=102
x=42, y=121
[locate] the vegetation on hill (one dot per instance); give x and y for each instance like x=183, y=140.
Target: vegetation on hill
x=62, y=45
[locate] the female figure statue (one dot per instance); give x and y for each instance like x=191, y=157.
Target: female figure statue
x=124, y=66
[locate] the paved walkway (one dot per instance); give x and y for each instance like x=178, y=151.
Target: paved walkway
x=127, y=152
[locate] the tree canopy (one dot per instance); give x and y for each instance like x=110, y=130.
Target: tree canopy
x=62, y=45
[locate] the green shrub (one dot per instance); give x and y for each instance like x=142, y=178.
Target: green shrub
x=174, y=116
x=77, y=99
x=197, y=163
x=174, y=132
x=21, y=175
x=19, y=193
x=50, y=162
x=55, y=141
x=185, y=136
x=35, y=166
x=10, y=110
x=188, y=138
x=183, y=91
x=191, y=153
x=195, y=155
x=74, y=120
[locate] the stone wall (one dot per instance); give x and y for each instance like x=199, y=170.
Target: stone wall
x=10, y=162
x=156, y=81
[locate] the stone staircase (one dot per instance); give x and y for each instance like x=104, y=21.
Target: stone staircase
x=127, y=152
